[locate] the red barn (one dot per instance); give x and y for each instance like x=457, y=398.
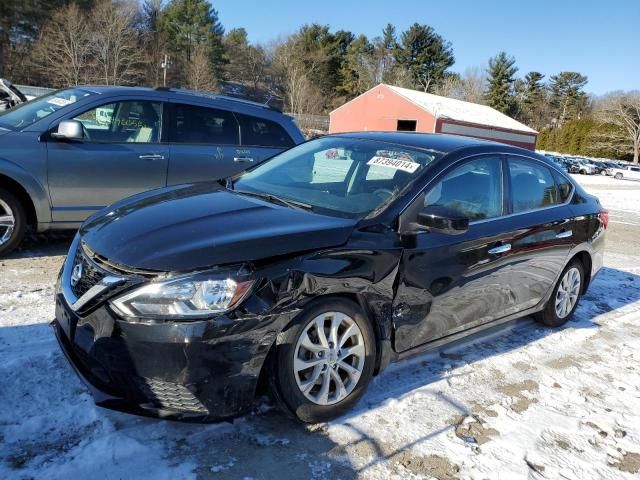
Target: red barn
x=388, y=108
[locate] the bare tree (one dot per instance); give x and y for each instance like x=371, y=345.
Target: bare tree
x=63, y=47
x=468, y=87
x=199, y=72
x=115, y=42
x=301, y=95
x=619, y=129
x=155, y=44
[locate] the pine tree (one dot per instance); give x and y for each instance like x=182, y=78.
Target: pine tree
x=501, y=77
x=534, y=100
x=567, y=97
x=425, y=55
x=355, y=73
x=190, y=23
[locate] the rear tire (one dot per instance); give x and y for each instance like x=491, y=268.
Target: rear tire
x=299, y=390
x=618, y=176
x=565, y=297
x=13, y=222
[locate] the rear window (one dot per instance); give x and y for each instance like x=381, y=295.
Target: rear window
x=259, y=132
x=532, y=186
x=195, y=124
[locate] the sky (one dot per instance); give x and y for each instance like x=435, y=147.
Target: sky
x=600, y=39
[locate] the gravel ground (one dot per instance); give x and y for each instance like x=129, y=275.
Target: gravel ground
x=521, y=402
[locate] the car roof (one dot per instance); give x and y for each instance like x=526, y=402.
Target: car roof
x=176, y=92
x=439, y=142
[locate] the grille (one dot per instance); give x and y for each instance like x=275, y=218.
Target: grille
x=91, y=275
x=170, y=396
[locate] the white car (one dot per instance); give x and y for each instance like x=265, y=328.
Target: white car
x=10, y=96
x=587, y=168
x=629, y=172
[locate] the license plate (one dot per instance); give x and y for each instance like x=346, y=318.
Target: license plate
x=65, y=319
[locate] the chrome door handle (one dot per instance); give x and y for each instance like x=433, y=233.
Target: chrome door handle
x=565, y=234
x=504, y=248
x=243, y=159
x=151, y=156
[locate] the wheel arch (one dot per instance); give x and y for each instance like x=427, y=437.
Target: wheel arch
x=28, y=188
x=23, y=196
x=587, y=262
x=384, y=353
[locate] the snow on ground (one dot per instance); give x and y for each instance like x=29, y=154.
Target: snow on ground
x=520, y=402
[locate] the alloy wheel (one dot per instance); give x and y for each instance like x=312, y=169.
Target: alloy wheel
x=7, y=222
x=568, y=292
x=329, y=358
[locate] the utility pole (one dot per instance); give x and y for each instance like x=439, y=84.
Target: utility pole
x=165, y=66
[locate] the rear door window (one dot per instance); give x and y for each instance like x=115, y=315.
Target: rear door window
x=259, y=132
x=532, y=186
x=203, y=125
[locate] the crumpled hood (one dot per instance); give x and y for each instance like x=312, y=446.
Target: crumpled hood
x=197, y=226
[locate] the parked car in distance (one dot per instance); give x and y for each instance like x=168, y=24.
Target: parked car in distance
x=10, y=96
x=559, y=161
x=573, y=166
x=587, y=167
x=609, y=166
x=630, y=172
x=68, y=154
x=317, y=268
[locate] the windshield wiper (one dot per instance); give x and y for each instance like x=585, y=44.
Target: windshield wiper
x=274, y=198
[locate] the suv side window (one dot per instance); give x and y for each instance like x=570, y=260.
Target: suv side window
x=123, y=122
x=259, y=132
x=532, y=186
x=473, y=188
x=195, y=124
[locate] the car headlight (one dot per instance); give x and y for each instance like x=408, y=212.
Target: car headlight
x=196, y=295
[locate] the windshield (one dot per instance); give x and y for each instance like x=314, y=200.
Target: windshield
x=338, y=176
x=27, y=114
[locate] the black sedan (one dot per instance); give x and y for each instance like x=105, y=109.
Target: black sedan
x=309, y=273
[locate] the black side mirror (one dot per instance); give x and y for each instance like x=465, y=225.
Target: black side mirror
x=443, y=220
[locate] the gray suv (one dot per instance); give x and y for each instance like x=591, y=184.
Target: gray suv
x=69, y=154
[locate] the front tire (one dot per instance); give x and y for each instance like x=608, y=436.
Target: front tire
x=13, y=222
x=565, y=297
x=323, y=361
x=618, y=176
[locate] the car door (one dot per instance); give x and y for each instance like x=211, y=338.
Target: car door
x=504, y=264
x=448, y=283
x=121, y=155
x=204, y=144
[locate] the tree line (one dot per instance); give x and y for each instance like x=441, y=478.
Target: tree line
x=183, y=43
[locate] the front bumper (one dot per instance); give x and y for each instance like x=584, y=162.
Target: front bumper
x=205, y=371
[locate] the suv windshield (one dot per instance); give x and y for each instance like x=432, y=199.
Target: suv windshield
x=28, y=113
x=345, y=177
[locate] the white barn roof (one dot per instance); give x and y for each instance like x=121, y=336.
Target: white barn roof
x=452, y=109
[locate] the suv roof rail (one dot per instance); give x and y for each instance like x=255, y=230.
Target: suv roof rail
x=217, y=96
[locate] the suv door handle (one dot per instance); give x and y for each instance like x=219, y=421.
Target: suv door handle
x=243, y=159
x=565, y=234
x=151, y=156
x=504, y=248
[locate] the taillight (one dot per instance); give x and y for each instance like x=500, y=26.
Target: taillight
x=604, y=218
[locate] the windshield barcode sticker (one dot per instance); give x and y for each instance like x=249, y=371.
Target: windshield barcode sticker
x=60, y=102
x=394, y=163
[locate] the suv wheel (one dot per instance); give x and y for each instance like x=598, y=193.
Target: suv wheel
x=13, y=221
x=565, y=296
x=618, y=176
x=323, y=361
